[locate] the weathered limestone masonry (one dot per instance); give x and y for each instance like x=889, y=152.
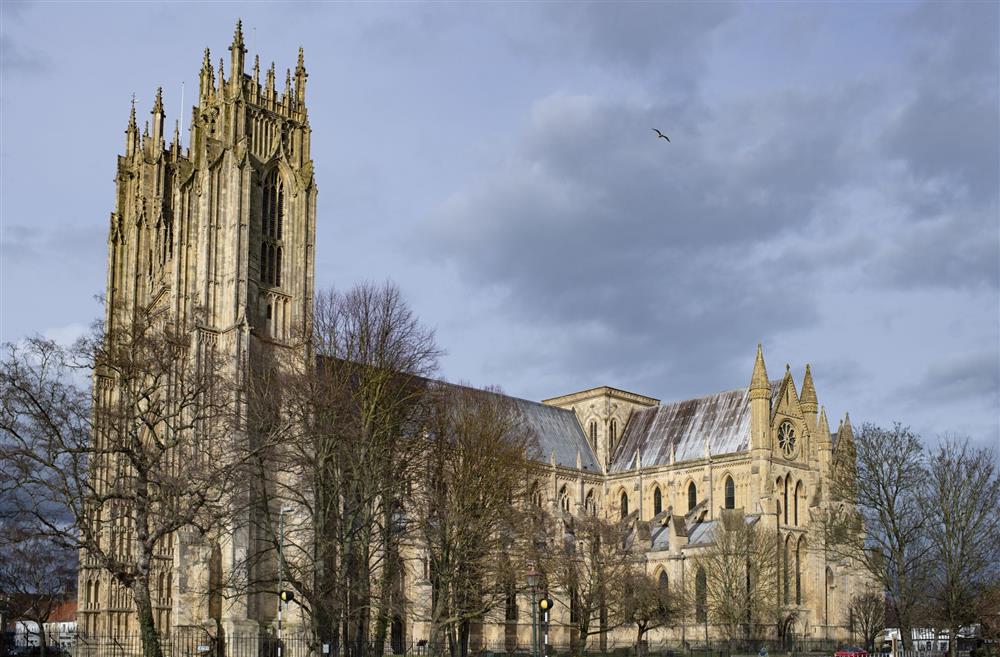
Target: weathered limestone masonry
x=220, y=235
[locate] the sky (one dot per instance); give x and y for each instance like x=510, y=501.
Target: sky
x=830, y=188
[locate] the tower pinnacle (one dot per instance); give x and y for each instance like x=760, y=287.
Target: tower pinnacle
x=300, y=81
x=759, y=386
x=238, y=51
x=808, y=396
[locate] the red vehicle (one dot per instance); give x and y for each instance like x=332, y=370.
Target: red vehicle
x=851, y=652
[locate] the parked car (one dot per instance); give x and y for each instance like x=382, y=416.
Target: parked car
x=852, y=651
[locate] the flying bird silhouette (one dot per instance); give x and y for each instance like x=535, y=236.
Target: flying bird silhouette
x=660, y=134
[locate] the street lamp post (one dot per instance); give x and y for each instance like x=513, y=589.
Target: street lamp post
x=533, y=579
x=281, y=569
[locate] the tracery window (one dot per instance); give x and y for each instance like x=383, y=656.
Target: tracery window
x=590, y=504
x=564, y=502
x=663, y=581
x=701, y=597
x=272, y=230
x=730, y=493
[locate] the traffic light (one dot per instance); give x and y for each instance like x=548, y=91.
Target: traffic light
x=286, y=596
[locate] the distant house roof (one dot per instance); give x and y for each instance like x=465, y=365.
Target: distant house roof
x=558, y=433
x=683, y=427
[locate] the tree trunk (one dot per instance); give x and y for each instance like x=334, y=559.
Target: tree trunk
x=147, y=628
x=953, y=642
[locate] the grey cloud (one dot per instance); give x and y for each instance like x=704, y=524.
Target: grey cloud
x=973, y=376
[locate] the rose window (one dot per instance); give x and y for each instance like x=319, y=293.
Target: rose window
x=786, y=438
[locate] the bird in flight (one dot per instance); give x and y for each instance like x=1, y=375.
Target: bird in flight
x=660, y=134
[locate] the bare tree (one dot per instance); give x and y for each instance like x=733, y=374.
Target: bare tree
x=650, y=604
x=590, y=559
x=339, y=430
x=36, y=576
x=866, y=611
x=471, y=529
x=880, y=473
x=962, y=499
x=148, y=452
x=740, y=577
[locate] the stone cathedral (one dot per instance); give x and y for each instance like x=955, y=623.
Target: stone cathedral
x=225, y=228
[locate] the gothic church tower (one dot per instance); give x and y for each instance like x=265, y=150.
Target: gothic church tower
x=220, y=238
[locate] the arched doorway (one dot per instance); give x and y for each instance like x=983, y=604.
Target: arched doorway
x=398, y=636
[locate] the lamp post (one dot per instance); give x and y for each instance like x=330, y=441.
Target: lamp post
x=533, y=579
x=281, y=569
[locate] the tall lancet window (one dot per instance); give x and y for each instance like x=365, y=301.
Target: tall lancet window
x=271, y=229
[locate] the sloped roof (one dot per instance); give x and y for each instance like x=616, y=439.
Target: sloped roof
x=723, y=419
x=558, y=432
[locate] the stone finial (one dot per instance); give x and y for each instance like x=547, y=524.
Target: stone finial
x=132, y=126
x=158, y=101
x=269, y=84
x=222, y=75
x=256, y=69
x=238, y=51
x=808, y=395
x=759, y=386
x=300, y=80
x=207, y=78
x=238, y=35
x=824, y=425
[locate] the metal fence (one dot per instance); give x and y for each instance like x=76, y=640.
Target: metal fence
x=191, y=642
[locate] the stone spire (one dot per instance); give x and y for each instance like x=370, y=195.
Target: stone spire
x=158, y=116
x=269, y=85
x=222, y=76
x=759, y=385
x=807, y=398
x=287, y=97
x=207, y=78
x=237, y=50
x=823, y=425
x=300, y=81
x=760, y=404
x=131, y=132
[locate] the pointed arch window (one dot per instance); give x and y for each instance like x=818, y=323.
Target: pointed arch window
x=624, y=504
x=564, y=501
x=798, y=493
x=663, y=581
x=612, y=435
x=730, y=493
x=786, y=501
x=272, y=229
x=692, y=496
x=701, y=596
x=590, y=504
x=593, y=433
x=657, y=501
x=799, y=555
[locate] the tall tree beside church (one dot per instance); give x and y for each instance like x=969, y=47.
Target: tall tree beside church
x=339, y=432
x=591, y=559
x=740, y=584
x=888, y=534
x=114, y=471
x=962, y=498
x=469, y=496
